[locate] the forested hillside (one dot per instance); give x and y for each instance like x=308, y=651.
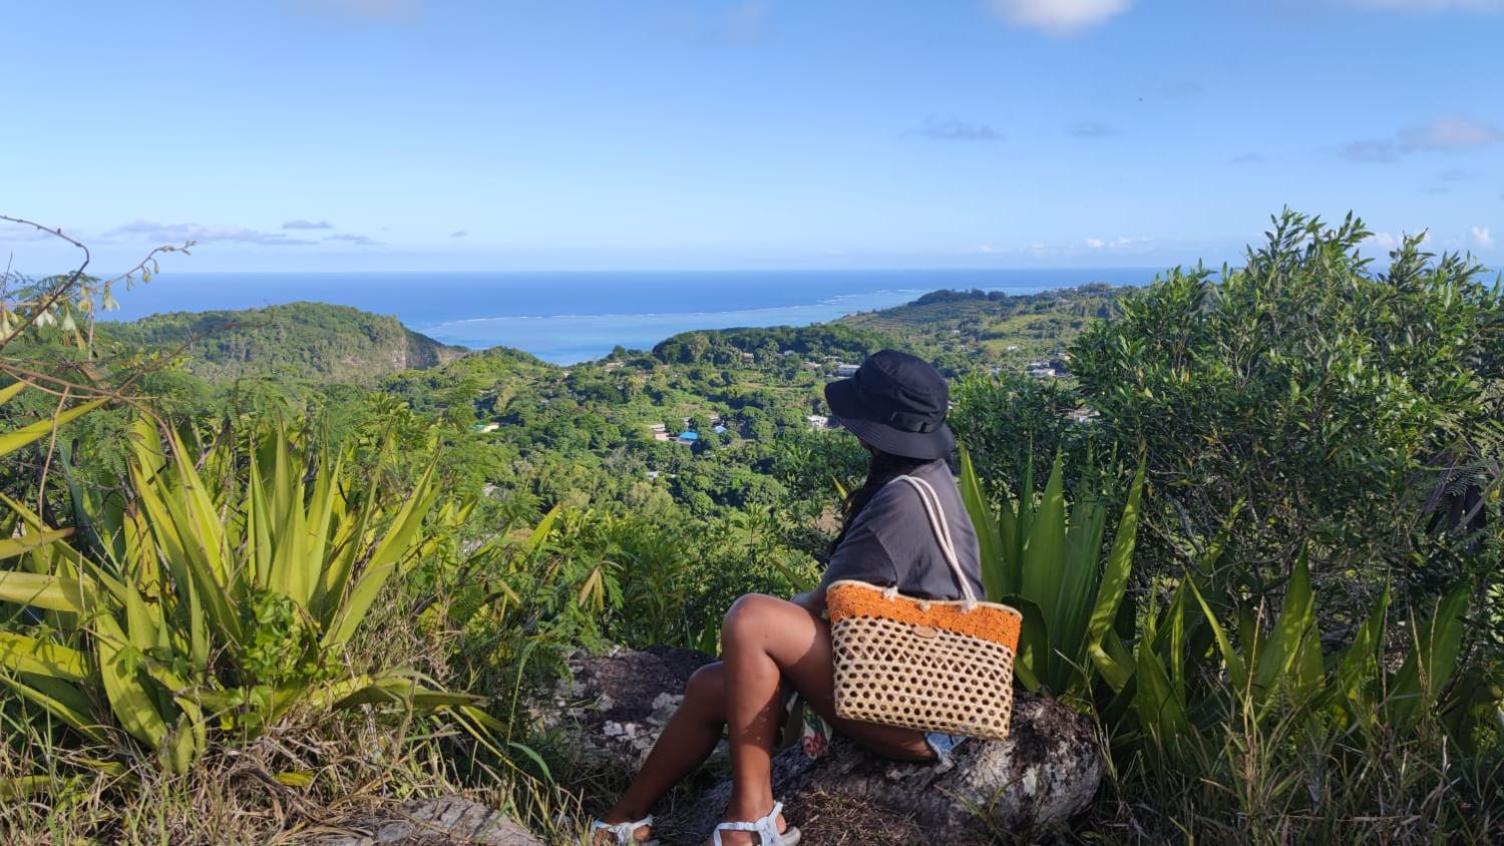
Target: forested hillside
x=314, y=341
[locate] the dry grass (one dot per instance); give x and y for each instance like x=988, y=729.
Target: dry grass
x=352, y=763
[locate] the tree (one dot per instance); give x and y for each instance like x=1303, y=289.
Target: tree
x=1317, y=392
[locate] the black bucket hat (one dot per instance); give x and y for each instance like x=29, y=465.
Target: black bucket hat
x=897, y=403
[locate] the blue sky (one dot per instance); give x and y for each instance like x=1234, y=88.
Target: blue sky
x=421, y=134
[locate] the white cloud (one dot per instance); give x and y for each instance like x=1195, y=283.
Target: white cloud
x=953, y=128
x=1121, y=242
x=1057, y=17
x=1483, y=238
x=1387, y=241
x=176, y=233
x=1451, y=134
x=358, y=240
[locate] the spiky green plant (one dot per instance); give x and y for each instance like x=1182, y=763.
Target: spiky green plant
x=1278, y=680
x=213, y=600
x=1046, y=559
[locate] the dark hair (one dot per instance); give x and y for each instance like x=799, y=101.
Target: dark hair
x=882, y=469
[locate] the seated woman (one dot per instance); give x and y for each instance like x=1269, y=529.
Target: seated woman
x=771, y=647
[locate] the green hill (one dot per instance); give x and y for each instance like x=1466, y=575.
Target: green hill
x=313, y=341
x=965, y=330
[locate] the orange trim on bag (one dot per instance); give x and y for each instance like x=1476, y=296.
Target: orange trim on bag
x=987, y=621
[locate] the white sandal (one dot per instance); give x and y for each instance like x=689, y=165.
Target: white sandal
x=622, y=832
x=766, y=828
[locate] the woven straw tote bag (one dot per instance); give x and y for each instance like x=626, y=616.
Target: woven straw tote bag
x=932, y=665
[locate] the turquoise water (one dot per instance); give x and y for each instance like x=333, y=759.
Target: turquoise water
x=571, y=317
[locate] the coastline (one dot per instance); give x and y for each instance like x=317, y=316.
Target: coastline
x=566, y=318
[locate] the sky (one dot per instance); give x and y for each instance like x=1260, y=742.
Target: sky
x=348, y=135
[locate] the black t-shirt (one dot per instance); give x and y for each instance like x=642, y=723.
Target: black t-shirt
x=891, y=541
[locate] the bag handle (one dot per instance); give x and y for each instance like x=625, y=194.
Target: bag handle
x=936, y=513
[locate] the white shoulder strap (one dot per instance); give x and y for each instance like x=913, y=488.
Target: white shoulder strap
x=936, y=513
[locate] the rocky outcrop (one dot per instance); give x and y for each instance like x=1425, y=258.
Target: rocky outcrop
x=613, y=706
x=447, y=821
x=1046, y=771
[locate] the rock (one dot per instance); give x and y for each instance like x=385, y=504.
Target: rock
x=614, y=705
x=450, y=820
x=1046, y=771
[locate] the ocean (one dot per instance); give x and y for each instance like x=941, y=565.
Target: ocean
x=568, y=317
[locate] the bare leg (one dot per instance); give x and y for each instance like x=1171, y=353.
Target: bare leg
x=752, y=715
x=685, y=744
x=765, y=640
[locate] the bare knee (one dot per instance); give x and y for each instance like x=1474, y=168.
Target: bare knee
x=748, y=616
x=705, y=692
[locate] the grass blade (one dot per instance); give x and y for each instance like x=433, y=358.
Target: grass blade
x=989, y=537
x=51, y=593
x=12, y=441
x=23, y=654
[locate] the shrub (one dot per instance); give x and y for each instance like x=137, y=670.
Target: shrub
x=214, y=600
x=1322, y=394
